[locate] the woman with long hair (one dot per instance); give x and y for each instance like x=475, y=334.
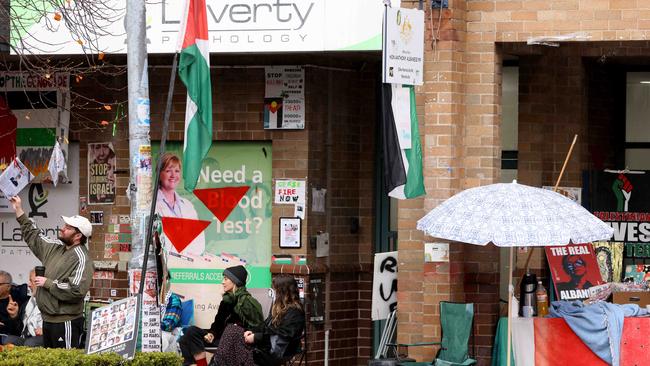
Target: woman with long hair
x=279, y=339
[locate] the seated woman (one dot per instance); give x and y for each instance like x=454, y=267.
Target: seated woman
x=278, y=340
x=237, y=307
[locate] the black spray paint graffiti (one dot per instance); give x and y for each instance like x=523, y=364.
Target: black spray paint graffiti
x=389, y=264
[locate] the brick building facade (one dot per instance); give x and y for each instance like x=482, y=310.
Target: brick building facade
x=563, y=91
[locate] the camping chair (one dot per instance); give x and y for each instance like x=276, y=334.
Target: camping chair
x=456, y=321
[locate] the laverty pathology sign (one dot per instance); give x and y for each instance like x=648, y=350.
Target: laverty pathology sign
x=233, y=26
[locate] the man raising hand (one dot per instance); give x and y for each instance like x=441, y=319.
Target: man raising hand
x=68, y=274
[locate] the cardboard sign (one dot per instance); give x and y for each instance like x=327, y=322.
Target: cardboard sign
x=384, y=285
x=289, y=191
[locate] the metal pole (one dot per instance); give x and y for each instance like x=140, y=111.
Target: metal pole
x=161, y=151
x=138, y=91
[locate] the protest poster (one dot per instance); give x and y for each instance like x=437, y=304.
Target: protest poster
x=284, y=97
x=574, y=270
x=289, y=191
x=150, y=323
x=14, y=178
x=622, y=200
x=113, y=328
x=384, y=285
x=101, y=173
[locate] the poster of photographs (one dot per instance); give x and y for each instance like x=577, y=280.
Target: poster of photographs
x=284, y=98
x=101, y=173
x=113, y=328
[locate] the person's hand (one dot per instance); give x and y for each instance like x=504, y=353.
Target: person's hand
x=17, y=205
x=209, y=337
x=38, y=331
x=249, y=337
x=12, y=308
x=39, y=281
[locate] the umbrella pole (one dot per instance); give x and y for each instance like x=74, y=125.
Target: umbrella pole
x=557, y=184
x=510, y=294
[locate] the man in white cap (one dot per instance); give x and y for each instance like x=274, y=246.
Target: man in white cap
x=68, y=274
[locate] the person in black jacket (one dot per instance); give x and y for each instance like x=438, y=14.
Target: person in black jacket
x=10, y=305
x=280, y=337
x=237, y=306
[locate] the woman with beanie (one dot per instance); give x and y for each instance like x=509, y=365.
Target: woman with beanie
x=237, y=307
x=278, y=340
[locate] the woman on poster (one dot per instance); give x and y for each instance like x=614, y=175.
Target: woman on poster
x=238, y=310
x=171, y=204
x=279, y=338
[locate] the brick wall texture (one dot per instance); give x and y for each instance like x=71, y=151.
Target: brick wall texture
x=562, y=91
x=572, y=89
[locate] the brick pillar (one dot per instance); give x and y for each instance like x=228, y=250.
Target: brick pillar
x=440, y=104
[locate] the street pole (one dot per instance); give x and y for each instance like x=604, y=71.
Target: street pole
x=139, y=191
x=138, y=91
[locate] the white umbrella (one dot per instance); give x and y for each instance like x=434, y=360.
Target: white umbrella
x=509, y=215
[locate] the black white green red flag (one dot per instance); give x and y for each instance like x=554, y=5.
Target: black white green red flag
x=194, y=71
x=401, y=142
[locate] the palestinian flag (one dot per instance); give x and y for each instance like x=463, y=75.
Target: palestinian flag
x=194, y=71
x=401, y=142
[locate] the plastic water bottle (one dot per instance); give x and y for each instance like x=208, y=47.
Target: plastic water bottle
x=542, y=300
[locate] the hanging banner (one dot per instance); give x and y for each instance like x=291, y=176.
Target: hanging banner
x=284, y=98
x=384, y=285
x=403, y=47
x=41, y=108
x=45, y=204
x=101, y=173
x=622, y=201
x=225, y=222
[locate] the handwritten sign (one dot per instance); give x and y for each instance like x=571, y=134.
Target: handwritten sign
x=289, y=191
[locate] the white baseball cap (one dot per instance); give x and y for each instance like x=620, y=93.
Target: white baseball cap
x=81, y=223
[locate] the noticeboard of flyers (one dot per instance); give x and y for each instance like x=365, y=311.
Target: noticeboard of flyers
x=113, y=328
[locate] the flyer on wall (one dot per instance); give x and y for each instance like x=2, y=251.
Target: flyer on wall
x=101, y=173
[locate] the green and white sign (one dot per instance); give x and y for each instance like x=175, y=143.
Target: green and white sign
x=233, y=197
x=233, y=26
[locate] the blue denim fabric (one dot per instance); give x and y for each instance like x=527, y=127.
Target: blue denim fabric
x=599, y=325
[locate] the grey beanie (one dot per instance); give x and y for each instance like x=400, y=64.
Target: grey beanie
x=237, y=275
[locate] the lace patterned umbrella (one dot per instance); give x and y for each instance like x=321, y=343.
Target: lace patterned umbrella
x=509, y=215
x=512, y=214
